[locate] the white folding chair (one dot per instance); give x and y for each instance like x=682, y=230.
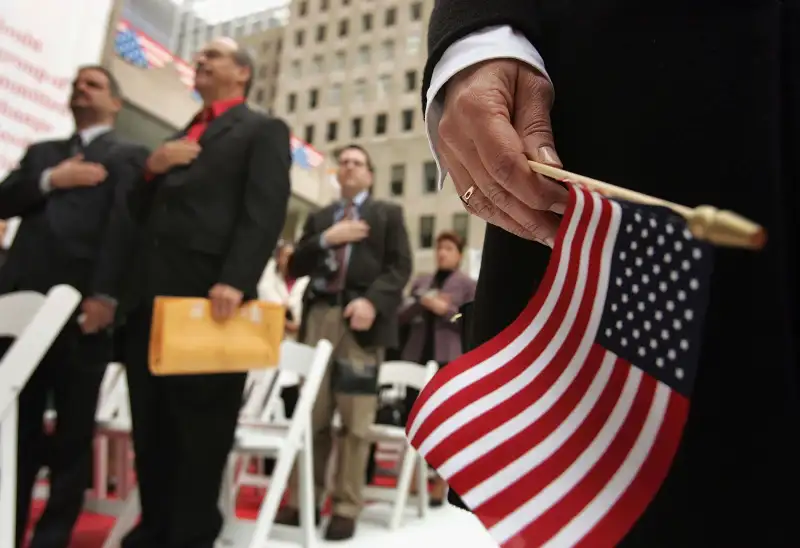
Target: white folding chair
x=287, y=441
x=34, y=320
x=402, y=374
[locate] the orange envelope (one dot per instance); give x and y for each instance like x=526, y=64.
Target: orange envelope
x=185, y=340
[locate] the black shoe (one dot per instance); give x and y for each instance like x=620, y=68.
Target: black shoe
x=340, y=528
x=291, y=517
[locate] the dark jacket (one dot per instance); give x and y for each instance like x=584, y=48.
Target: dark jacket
x=218, y=219
x=73, y=236
x=379, y=267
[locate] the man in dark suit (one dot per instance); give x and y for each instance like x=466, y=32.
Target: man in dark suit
x=661, y=98
x=211, y=205
x=71, y=197
x=357, y=253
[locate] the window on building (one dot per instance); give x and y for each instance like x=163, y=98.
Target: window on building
x=291, y=102
x=340, y=60
x=363, y=55
x=209, y=33
x=272, y=93
x=461, y=225
x=366, y=22
x=323, y=5
x=430, y=176
x=335, y=94
x=412, y=43
x=296, y=69
x=226, y=29
x=303, y=9
x=390, y=17
x=355, y=128
x=257, y=27
x=321, y=32
x=317, y=64
x=239, y=31
x=308, y=134
x=344, y=27
x=397, y=179
x=332, y=131
x=384, y=86
x=360, y=91
x=263, y=71
x=276, y=68
x=381, y=123
x=265, y=46
x=299, y=37
x=427, y=228
x=408, y=119
x=259, y=96
x=416, y=11
x=387, y=50
x=313, y=98
x=279, y=45
x=411, y=80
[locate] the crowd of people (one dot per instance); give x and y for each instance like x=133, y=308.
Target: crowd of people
x=200, y=216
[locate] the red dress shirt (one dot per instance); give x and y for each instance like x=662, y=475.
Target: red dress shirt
x=205, y=117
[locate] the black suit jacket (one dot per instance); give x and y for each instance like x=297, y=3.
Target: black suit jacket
x=697, y=103
x=73, y=236
x=218, y=219
x=379, y=267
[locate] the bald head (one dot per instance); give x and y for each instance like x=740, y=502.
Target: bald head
x=223, y=67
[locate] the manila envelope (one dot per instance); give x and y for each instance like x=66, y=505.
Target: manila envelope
x=185, y=340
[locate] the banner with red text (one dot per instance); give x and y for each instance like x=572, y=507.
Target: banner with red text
x=42, y=43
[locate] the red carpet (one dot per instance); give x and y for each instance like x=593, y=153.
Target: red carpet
x=92, y=529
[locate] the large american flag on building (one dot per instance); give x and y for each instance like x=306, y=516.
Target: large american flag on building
x=559, y=431
x=135, y=47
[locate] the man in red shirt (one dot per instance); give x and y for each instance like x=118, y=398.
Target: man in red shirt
x=211, y=206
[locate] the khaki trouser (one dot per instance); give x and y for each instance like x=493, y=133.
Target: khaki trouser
x=357, y=411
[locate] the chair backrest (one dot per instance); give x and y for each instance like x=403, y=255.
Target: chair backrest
x=316, y=362
x=256, y=396
x=113, y=402
x=406, y=374
x=35, y=321
x=295, y=363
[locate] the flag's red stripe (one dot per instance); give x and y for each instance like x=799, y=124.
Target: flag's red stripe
x=505, y=337
x=533, y=435
x=564, y=511
x=513, y=368
x=620, y=519
x=490, y=420
x=532, y=483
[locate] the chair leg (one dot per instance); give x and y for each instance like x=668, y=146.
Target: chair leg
x=101, y=453
x=273, y=497
x=306, y=494
x=125, y=520
x=8, y=487
x=403, y=485
x=423, y=499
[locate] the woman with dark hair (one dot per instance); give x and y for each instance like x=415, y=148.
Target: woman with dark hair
x=429, y=313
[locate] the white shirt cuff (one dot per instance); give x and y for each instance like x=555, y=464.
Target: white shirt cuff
x=44, y=181
x=501, y=42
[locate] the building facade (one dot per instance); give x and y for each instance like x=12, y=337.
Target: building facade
x=351, y=72
x=267, y=46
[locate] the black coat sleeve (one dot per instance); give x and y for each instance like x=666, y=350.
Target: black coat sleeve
x=264, y=203
x=452, y=20
x=125, y=169
x=307, y=254
x=21, y=191
x=386, y=291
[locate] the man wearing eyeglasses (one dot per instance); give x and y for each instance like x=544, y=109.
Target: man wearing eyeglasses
x=211, y=207
x=357, y=253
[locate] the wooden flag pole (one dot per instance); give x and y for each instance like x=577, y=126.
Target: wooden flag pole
x=718, y=227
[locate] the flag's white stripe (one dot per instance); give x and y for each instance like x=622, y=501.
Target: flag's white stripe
x=495, y=362
x=534, y=457
x=583, y=523
x=520, y=518
x=538, y=408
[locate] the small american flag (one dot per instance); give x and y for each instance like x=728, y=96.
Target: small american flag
x=559, y=431
x=304, y=155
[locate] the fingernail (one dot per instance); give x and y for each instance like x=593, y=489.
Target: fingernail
x=550, y=242
x=547, y=155
x=558, y=208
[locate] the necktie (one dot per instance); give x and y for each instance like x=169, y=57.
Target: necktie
x=337, y=282
x=200, y=124
x=75, y=145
